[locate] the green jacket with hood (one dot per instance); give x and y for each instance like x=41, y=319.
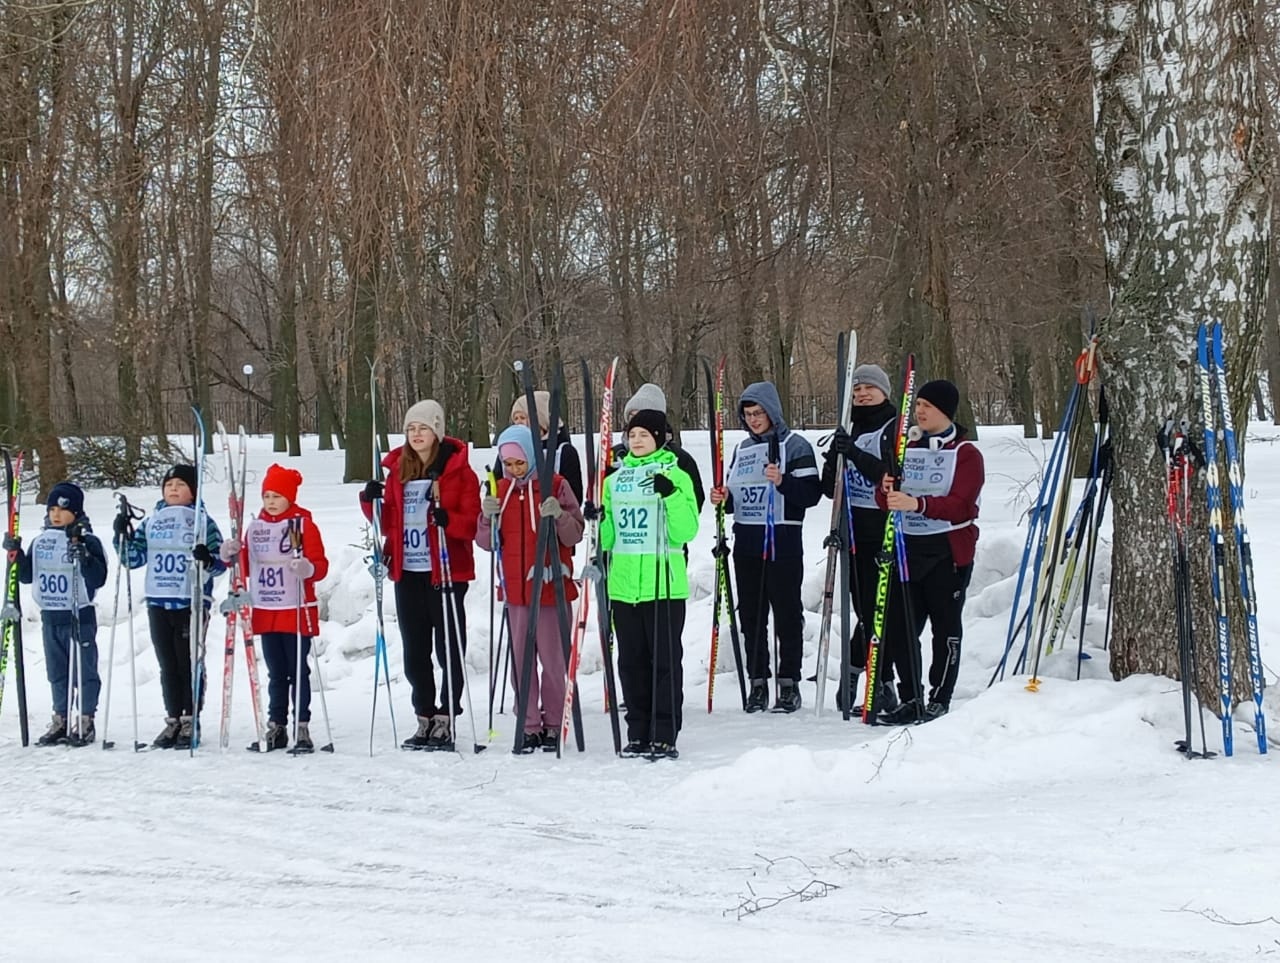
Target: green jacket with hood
x=644, y=563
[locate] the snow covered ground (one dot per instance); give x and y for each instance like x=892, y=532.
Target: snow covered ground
x=1059, y=825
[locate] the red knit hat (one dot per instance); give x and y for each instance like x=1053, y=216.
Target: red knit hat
x=282, y=481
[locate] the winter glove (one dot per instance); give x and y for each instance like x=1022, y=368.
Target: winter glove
x=120, y=525
x=229, y=549
x=842, y=443
x=440, y=517
x=663, y=485
x=490, y=507
x=11, y=543
x=202, y=555
x=301, y=567
x=372, y=491
x=550, y=508
x=590, y=512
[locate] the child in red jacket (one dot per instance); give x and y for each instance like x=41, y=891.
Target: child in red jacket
x=283, y=558
x=430, y=491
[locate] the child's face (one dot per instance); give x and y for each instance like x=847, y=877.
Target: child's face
x=516, y=467
x=275, y=503
x=420, y=438
x=176, y=492
x=61, y=517
x=641, y=442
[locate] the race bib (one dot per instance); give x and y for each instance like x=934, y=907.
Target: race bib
x=862, y=491
x=57, y=584
x=635, y=510
x=928, y=473
x=417, y=506
x=749, y=487
x=272, y=585
x=170, y=536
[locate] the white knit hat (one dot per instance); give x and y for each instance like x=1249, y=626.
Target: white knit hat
x=427, y=413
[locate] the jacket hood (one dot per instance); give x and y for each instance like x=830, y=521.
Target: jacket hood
x=522, y=436
x=764, y=394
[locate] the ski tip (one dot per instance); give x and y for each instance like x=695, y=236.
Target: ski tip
x=328, y=748
x=479, y=748
x=108, y=745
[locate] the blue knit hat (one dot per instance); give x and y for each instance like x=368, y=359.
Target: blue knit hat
x=68, y=496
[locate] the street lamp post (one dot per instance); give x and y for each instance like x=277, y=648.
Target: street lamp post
x=248, y=388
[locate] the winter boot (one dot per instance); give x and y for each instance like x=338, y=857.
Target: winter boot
x=186, y=732
x=906, y=714
x=788, y=697
x=303, y=744
x=532, y=743
x=758, y=700
x=168, y=735
x=854, y=676
x=441, y=739
x=662, y=750
x=935, y=710
x=550, y=740
x=422, y=738
x=84, y=735
x=56, y=733
x=635, y=748
x=277, y=736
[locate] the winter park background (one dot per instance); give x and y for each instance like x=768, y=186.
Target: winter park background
x=1057, y=826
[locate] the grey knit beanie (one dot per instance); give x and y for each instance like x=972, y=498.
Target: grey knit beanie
x=648, y=397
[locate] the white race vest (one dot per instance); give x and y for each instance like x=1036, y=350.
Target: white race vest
x=861, y=489
x=54, y=575
x=635, y=509
x=926, y=473
x=272, y=585
x=417, y=507
x=750, y=489
x=170, y=536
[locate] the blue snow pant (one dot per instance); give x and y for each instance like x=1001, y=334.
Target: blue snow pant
x=281, y=652
x=57, y=630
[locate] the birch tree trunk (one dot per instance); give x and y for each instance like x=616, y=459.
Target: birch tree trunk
x=1186, y=215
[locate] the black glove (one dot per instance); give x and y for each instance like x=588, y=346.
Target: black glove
x=440, y=517
x=842, y=443
x=202, y=555
x=663, y=485
x=372, y=491
x=120, y=525
x=590, y=512
x=11, y=543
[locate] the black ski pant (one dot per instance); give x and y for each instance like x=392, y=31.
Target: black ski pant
x=171, y=638
x=280, y=650
x=764, y=586
x=420, y=609
x=937, y=595
x=651, y=667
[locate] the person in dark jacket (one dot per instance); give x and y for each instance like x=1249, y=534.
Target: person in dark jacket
x=430, y=490
x=868, y=452
x=942, y=479
x=66, y=566
x=567, y=463
x=649, y=397
x=771, y=481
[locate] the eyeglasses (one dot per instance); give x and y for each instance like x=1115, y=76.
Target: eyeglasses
x=753, y=412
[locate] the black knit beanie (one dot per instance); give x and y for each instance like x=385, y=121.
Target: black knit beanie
x=654, y=422
x=184, y=473
x=943, y=395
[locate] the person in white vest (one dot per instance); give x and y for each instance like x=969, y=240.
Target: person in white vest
x=942, y=479
x=868, y=450
x=165, y=543
x=65, y=566
x=770, y=482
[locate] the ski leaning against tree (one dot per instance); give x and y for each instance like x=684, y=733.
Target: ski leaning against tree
x=649, y=397
x=165, y=543
x=282, y=591
x=65, y=565
x=772, y=480
x=430, y=487
x=868, y=449
x=941, y=485
x=648, y=515
x=515, y=511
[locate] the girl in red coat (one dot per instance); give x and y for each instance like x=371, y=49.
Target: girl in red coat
x=516, y=511
x=430, y=489
x=283, y=557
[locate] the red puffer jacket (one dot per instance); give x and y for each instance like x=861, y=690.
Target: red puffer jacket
x=457, y=491
x=286, y=620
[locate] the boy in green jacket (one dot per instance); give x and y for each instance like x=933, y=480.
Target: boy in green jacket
x=649, y=513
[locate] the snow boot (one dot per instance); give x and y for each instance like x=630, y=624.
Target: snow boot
x=303, y=744
x=935, y=710
x=635, y=748
x=441, y=739
x=277, y=736
x=84, y=735
x=758, y=700
x=550, y=740
x=422, y=738
x=56, y=733
x=532, y=743
x=906, y=714
x=788, y=697
x=186, y=732
x=662, y=750
x=168, y=735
